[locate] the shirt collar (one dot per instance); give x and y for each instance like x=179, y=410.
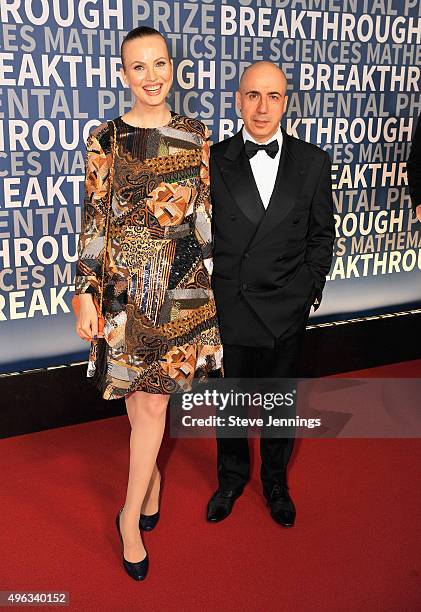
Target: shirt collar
x=277, y=136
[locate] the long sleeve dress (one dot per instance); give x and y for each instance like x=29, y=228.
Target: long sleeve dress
x=161, y=325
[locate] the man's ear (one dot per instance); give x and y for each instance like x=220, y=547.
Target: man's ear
x=285, y=104
x=238, y=100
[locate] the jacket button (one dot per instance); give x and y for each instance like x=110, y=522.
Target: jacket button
x=244, y=286
x=246, y=255
x=296, y=220
x=233, y=217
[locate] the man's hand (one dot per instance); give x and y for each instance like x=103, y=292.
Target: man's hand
x=418, y=212
x=87, y=321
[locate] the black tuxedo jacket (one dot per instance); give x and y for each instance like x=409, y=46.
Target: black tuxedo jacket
x=269, y=265
x=414, y=167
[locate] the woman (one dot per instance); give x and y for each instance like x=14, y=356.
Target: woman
x=160, y=322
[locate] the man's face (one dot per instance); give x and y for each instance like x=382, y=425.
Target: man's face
x=262, y=100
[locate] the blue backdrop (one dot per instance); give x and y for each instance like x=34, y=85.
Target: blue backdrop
x=353, y=71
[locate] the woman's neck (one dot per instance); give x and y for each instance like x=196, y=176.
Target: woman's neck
x=148, y=117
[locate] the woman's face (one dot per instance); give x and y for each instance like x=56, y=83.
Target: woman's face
x=147, y=69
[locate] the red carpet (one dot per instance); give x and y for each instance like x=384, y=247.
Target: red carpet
x=356, y=544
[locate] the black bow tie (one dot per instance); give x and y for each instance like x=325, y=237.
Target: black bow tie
x=251, y=148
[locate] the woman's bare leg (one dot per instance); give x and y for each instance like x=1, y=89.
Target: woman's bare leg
x=151, y=500
x=146, y=413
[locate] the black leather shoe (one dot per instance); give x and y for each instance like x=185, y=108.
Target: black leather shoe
x=137, y=570
x=221, y=504
x=147, y=522
x=282, y=508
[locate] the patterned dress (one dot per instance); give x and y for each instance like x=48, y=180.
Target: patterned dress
x=160, y=319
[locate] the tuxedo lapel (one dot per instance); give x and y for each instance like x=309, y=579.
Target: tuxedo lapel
x=239, y=180
x=288, y=185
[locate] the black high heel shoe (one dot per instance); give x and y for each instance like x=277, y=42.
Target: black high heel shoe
x=137, y=570
x=147, y=522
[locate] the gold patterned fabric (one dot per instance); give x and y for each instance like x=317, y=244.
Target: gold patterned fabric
x=160, y=319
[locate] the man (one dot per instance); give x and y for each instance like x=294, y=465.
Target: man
x=273, y=239
x=414, y=171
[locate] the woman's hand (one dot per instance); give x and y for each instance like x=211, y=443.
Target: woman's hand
x=87, y=321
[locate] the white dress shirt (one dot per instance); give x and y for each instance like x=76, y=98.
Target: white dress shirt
x=265, y=168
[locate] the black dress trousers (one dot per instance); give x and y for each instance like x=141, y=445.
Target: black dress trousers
x=282, y=361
